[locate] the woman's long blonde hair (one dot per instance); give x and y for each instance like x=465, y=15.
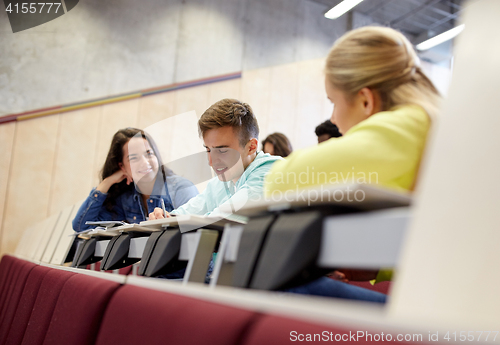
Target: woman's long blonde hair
x=384, y=61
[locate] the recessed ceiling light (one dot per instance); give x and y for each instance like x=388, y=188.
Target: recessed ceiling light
x=445, y=36
x=341, y=8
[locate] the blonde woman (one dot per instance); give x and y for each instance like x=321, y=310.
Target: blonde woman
x=383, y=106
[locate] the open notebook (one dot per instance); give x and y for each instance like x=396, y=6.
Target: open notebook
x=190, y=222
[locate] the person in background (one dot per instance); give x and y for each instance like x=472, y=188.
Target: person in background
x=384, y=105
x=133, y=183
x=326, y=130
x=277, y=144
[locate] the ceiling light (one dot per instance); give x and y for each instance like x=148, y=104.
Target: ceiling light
x=341, y=8
x=445, y=36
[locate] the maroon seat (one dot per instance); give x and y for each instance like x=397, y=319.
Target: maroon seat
x=20, y=271
x=123, y=271
x=275, y=330
x=11, y=274
x=97, y=266
x=15, y=331
x=7, y=276
x=138, y=315
x=23, y=268
x=5, y=265
x=44, y=306
x=79, y=310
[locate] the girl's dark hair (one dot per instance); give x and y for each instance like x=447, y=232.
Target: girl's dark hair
x=115, y=157
x=280, y=142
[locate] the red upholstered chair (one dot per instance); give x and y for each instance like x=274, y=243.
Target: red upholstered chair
x=24, y=269
x=11, y=274
x=8, y=274
x=124, y=271
x=5, y=265
x=96, y=267
x=79, y=310
x=15, y=331
x=43, y=308
x=138, y=315
x=275, y=330
x=10, y=297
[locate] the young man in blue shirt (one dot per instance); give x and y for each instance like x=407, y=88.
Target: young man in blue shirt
x=230, y=134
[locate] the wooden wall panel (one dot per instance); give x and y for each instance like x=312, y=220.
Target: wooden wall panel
x=283, y=101
x=155, y=108
x=32, y=169
x=193, y=98
x=114, y=116
x=312, y=103
x=197, y=99
x=7, y=133
x=74, y=167
x=256, y=91
x=225, y=89
x=154, y=111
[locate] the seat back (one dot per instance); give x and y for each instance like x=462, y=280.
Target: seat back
x=79, y=310
x=14, y=331
x=20, y=270
x=137, y=315
x=44, y=306
x=5, y=267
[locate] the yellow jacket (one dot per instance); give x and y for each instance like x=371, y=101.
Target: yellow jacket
x=384, y=149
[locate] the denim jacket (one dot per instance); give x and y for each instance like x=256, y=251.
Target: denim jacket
x=129, y=206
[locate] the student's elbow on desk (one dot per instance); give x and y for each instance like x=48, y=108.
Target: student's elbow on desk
x=78, y=226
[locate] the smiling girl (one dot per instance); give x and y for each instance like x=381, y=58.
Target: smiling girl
x=133, y=182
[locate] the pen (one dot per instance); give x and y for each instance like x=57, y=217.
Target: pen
x=163, y=208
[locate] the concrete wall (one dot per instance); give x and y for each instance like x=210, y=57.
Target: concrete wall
x=102, y=48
